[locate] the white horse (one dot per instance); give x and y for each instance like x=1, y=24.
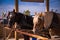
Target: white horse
x=43, y=22
x=39, y=26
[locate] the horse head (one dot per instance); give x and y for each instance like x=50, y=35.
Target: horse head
x=38, y=21
x=10, y=17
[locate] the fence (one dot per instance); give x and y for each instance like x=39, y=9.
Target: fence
x=25, y=33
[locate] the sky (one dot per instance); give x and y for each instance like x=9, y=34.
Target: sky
x=8, y=5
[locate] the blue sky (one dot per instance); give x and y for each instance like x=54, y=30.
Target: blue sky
x=8, y=5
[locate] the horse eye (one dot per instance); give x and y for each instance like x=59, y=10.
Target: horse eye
x=40, y=18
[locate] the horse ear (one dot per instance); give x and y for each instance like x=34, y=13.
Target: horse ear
x=35, y=13
x=40, y=14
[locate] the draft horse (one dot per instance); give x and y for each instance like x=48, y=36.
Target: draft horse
x=46, y=24
x=23, y=21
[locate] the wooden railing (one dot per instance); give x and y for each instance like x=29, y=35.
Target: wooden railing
x=29, y=34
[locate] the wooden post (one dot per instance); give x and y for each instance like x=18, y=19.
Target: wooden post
x=16, y=5
x=47, y=5
x=16, y=38
x=16, y=10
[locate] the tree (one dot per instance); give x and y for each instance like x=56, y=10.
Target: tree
x=27, y=12
x=3, y=15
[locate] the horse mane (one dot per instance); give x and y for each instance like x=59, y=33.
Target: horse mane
x=55, y=26
x=55, y=20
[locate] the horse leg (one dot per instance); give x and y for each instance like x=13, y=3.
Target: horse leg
x=26, y=37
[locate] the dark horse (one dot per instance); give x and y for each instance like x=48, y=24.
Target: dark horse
x=24, y=21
